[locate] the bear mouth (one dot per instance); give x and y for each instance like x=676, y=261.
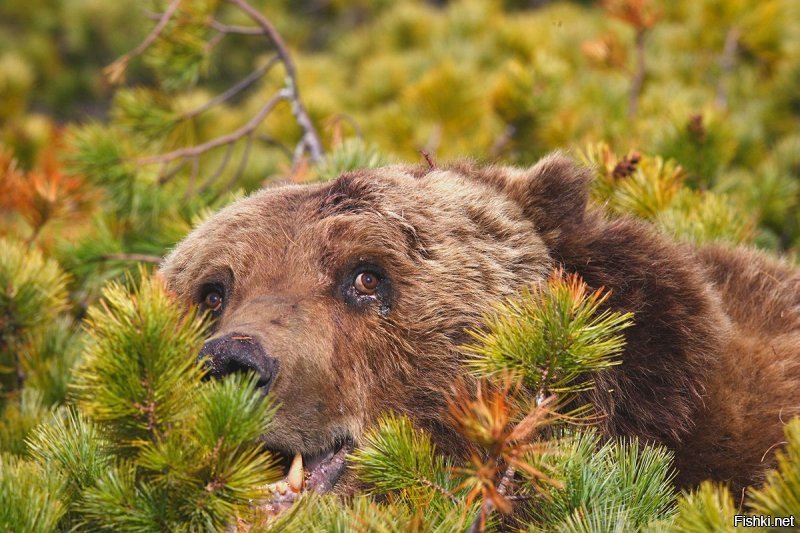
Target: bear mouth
x=304, y=472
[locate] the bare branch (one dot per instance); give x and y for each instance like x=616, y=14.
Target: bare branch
x=428, y=159
x=234, y=136
x=233, y=91
x=310, y=139
x=116, y=70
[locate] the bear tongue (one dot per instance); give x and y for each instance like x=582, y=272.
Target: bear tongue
x=328, y=470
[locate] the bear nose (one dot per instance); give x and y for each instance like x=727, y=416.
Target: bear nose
x=237, y=352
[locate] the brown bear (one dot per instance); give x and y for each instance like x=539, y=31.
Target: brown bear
x=352, y=298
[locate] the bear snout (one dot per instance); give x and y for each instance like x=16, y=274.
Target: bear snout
x=237, y=352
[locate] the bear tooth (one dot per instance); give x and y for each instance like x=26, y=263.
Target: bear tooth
x=295, y=477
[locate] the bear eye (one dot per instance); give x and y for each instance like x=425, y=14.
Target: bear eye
x=366, y=283
x=213, y=300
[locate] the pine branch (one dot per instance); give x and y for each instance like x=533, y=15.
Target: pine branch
x=116, y=70
x=234, y=90
x=232, y=137
x=310, y=139
x=309, y=143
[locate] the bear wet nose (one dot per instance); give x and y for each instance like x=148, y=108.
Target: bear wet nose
x=237, y=352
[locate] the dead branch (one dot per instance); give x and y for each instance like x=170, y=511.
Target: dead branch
x=428, y=159
x=116, y=70
x=233, y=136
x=309, y=143
x=211, y=178
x=239, y=30
x=267, y=139
x=167, y=175
x=310, y=140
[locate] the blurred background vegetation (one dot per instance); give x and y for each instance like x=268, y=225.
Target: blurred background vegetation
x=710, y=84
x=688, y=110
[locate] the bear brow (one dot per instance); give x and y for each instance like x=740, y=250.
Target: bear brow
x=347, y=195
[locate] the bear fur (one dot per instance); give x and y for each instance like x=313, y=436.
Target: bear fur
x=711, y=367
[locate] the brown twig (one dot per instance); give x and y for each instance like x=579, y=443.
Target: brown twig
x=438, y=488
x=726, y=62
x=116, y=70
x=488, y=505
x=428, y=159
x=309, y=143
x=310, y=140
x=233, y=136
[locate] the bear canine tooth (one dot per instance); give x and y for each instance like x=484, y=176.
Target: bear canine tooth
x=295, y=477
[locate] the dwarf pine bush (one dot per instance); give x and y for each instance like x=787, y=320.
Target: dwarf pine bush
x=106, y=423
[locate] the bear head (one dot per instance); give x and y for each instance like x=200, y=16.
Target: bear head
x=351, y=298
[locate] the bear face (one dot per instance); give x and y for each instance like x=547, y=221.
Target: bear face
x=351, y=298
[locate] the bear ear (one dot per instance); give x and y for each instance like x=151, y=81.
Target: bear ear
x=553, y=193
x=556, y=192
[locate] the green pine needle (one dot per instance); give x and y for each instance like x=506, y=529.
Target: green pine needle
x=49, y=357
x=780, y=495
x=630, y=481
x=550, y=336
x=396, y=457
x=117, y=503
x=20, y=417
x=29, y=496
x=709, y=509
x=70, y=444
x=352, y=154
x=32, y=295
x=139, y=371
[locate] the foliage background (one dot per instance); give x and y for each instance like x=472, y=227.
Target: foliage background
x=688, y=110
